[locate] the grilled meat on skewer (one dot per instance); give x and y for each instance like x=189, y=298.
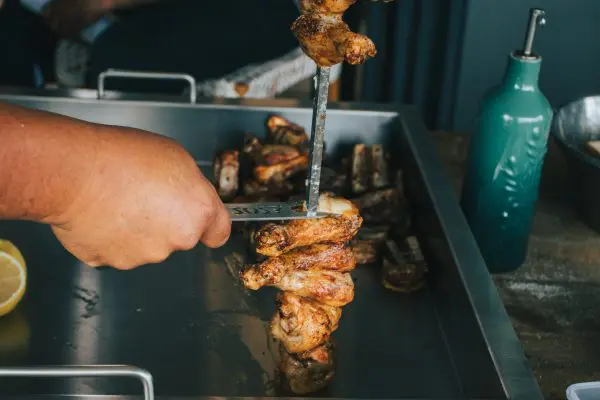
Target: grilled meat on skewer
x=326, y=38
x=327, y=287
x=282, y=131
x=333, y=288
x=273, y=240
x=332, y=257
x=226, y=169
x=302, y=324
x=310, y=371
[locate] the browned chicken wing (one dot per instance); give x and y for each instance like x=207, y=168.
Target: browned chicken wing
x=226, y=169
x=281, y=171
x=333, y=257
x=328, y=40
x=310, y=371
x=302, y=324
x=282, y=131
x=328, y=287
x=273, y=240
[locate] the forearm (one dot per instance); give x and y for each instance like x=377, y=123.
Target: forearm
x=45, y=161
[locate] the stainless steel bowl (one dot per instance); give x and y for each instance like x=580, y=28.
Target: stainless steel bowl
x=574, y=125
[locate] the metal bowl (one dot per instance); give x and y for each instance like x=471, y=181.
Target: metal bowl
x=573, y=126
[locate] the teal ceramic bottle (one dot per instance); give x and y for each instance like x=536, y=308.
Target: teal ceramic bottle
x=505, y=159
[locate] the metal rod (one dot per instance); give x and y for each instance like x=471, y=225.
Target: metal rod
x=536, y=16
x=317, y=140
x=83, y=371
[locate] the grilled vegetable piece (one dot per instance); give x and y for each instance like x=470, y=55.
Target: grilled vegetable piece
x=359, y=174
x=404, y=266
x=226, y=170
x=380, y=169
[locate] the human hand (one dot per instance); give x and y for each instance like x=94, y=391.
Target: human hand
x=69, y=17
x=144, y=199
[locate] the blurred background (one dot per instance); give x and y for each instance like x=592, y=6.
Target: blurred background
x=440, y=55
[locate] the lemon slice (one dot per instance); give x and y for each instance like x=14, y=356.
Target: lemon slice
x=13, y=277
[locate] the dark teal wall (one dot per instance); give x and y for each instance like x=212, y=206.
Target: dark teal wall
x=569, y=44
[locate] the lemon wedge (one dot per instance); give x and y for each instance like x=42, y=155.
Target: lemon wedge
x=13, y=276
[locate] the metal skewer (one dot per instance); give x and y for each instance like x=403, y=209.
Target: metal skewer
x=317, y=139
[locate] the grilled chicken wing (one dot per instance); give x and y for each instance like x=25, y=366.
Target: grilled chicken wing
x=282, y=131
x=328, y=40
x=269, y=154
x=328, y=287
x=281, y=171
x=310, y=371
x=226, y=169
x=273, y=240
x=333, y=257
x=302, y=324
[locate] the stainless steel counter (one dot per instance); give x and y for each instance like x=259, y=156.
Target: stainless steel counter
x=200, y=335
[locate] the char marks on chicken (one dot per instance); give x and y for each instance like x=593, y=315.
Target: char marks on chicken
x=301, y=324
x=282, y=131
x=310, y=261
x=274, y=239
x=326, y=38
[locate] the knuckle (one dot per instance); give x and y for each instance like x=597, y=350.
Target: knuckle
x=158, y=256
x=187, y=240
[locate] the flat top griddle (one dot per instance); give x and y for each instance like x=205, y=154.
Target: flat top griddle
x=201, y=335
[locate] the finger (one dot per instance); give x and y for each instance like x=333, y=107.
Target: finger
x=218, y=228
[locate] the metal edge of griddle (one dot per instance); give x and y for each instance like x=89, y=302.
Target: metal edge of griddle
x=169, y=101
x=134, y=397
x=503, y=343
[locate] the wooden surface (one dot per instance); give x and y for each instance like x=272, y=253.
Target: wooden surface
x=554, y=299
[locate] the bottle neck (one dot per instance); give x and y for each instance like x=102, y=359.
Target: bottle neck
x=523, y=73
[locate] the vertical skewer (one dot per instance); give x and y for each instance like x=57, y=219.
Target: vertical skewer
x=317, y=140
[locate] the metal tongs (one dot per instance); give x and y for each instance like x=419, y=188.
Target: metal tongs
x=309, y=207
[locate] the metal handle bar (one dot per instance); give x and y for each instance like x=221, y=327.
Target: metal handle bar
x=117, y=73
x=83, y=371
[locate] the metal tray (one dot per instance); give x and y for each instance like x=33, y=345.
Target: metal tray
x=200, y=335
